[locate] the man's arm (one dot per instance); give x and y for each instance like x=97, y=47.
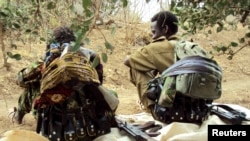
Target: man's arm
x=126, y=61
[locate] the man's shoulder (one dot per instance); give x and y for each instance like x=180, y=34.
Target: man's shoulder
x=164, y=39
x=159, y=42
x=160, y=39
x=174, y=37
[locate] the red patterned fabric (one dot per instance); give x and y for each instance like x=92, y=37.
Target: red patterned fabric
x=49, y=96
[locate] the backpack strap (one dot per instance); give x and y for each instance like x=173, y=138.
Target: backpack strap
x=173, y=43
x=194, y=64
x=228, y=113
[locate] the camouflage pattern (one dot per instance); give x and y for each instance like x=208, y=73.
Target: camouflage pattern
x=30, y=75
x=201, y=85
x=25, y=101
x=185, y=48
x=29, y=79
x=168, y=92
x=205, y=83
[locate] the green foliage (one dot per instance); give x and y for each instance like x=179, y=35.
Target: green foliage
x=197, y=15
x=51, y=5
x=37, y=18
x=200, y=14
x=87, y=41
x=109, y=46
x=96, y=61
x=79, y=36
x=113, y=31
x=14, y=56
x=13, y=18
x=125, y=3
x=104, y=57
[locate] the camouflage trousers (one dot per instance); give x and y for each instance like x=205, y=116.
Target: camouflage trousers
x=25, y=101
x=140, y=80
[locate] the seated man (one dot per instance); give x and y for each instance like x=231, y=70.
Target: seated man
x=189, y=78
x=155, y=57
x=30, y=78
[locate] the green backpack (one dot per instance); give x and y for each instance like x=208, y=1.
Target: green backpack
x=185, y=88
x=194, y=74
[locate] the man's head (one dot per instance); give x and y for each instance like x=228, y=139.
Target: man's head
x=164, y=23
x=63, y=34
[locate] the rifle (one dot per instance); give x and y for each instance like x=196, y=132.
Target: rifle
x=134, y=131
x=229, y=114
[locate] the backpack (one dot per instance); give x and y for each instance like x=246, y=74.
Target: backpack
x=184, y=89
x=61, y=75
x=194, y=74
x=72, y=104
x=65, y=71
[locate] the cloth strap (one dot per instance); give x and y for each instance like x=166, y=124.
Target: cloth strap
x=193, y=64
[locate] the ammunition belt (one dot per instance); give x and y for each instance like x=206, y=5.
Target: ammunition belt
x=73, y=125
x=184, y=109
x=77, y=118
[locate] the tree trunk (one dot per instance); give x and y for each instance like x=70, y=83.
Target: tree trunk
x=5, y=64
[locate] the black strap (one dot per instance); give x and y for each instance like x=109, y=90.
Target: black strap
x=86, y=117
x=194, y=64
x=229, y=114
x=39, y=120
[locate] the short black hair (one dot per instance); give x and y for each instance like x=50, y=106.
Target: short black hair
x=164, y=18
x=63, y=34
